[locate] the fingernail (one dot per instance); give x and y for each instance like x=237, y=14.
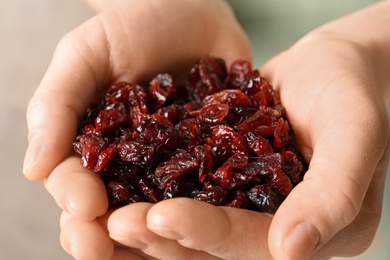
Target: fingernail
x=301, y=241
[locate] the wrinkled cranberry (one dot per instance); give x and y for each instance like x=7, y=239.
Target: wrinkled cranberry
x=262, y=92
x=105, y=157
x=190, y=132
x=89, y=146
x=117, y=192
x=239, y=75
x=151, y=194
x=180, y=187
x=222, y=138
x=259, y=144
x=212, y=114
x=262, y=123
x=208, y=76
x=231, y=97
x=215, y=195
x=180, y=164
x=161, y=87
x=172, y=113
x=226, y=142
x=205, y=160
x=158, y=133
x=263, y=198
x=230, y=175
x=238, y=200
x=140, y=154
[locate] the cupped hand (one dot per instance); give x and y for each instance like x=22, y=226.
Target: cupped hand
x=335, y=103
x=132, y=41
x=335, y=106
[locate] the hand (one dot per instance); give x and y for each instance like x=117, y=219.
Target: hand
x=130, y=42
x=171, y=228
x=334, y=104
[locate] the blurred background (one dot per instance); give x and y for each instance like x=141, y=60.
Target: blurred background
x=29, y=31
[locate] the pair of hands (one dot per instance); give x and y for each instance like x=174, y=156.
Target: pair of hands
x=334, y=104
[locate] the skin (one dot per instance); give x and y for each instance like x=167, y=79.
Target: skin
x=331, y=83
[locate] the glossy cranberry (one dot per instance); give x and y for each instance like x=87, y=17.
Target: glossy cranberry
x=222, y=138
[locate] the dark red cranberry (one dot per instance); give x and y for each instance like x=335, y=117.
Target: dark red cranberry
x=222, y=138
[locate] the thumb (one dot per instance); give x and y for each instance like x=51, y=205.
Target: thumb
x=331, y=194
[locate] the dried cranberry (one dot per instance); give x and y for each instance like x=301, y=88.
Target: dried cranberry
x=140, y=154
x=240, y=75
x=262, y=92
x=231, y=97
x=161, y=87
x=205, y=160
x=230, y=175
x=212, y=114
x=222, y=138
x=215, y=195
x=271, y=166
x=172, y=113
x=191, y=133
x=181, y=163
x=117, y=193
x=105, y=157
x=225, y=142
x=239, y=200
x=152, y=194
x=158, y=133
x=89, y=146
x=262, y=123
x=259, y=144
x=180, y=187
x=264, y=198
x=208, y=76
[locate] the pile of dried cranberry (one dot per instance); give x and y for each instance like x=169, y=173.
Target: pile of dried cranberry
x=221, y=138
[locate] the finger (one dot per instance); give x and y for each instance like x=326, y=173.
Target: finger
x=224, y=232
x=127, y=226
x=120, y=252
x=346, y=153
x=64, y=218
x=76, y=190
x=62, y=96
x=86, y=240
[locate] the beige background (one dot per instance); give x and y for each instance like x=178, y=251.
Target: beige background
x=29, y=31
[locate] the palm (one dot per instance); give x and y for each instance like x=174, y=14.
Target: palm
x=139, y=38
x=130, y=42
x=155, y=37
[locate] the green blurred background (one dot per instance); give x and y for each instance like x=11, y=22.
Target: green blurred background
x=273, y=25
x=29, y=31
